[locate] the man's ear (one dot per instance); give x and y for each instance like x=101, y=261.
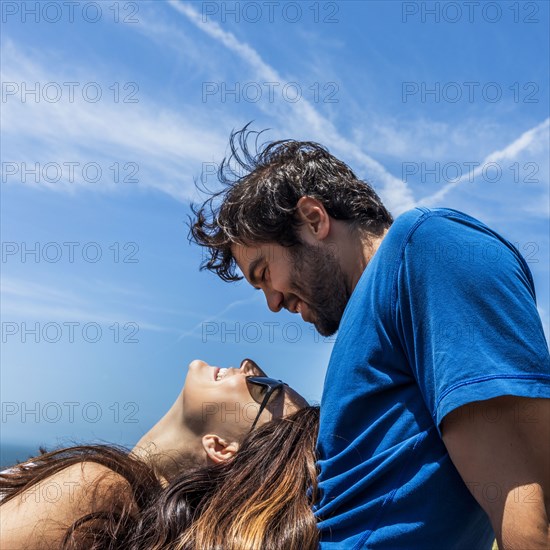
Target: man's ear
x=312, y=215
x=217, y=449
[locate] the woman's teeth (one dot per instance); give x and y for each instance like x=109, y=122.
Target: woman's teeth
x=221, y=374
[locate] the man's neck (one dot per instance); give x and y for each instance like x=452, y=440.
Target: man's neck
x=363, y=252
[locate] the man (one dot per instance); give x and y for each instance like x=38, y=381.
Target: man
x=435, y=414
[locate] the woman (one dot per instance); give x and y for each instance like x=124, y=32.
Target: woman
x=210, y=417
x=201, y=478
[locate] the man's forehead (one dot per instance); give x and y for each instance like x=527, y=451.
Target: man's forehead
x=246, y=254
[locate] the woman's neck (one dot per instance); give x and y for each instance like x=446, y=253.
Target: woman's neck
x=170, y=445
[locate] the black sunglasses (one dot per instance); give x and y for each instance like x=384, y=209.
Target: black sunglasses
x=262, y=389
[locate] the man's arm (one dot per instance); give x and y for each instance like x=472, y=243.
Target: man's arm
x=501, y=448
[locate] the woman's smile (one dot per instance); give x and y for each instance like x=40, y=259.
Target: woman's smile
x=219, y=373
x=247, y=367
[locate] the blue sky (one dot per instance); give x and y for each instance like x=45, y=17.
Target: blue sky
x=445, y=108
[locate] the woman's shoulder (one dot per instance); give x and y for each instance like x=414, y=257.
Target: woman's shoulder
x=39, y=516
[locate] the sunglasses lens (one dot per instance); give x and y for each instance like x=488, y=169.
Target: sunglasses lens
x=257, y=391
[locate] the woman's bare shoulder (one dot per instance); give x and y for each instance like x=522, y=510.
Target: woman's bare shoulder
x=39, y=517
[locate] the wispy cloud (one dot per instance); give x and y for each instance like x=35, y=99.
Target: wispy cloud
x=533, y=138
x=220, y=315
x=34, y=302
x=395, y=192
x=303, y=114
x=169, y=147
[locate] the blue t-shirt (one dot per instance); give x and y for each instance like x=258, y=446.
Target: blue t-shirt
x=444, y=314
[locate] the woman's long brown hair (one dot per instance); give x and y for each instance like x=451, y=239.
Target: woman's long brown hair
x=261, y=499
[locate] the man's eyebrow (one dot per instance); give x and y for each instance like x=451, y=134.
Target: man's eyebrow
x=252, y=269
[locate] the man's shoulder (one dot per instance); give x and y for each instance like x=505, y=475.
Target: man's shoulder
x=434, y=240
x=448, y=241
x=434, y=219
x=423, y=226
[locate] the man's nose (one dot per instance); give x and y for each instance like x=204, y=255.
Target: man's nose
x=274, y=299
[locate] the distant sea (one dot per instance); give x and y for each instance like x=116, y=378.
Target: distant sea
x=10, y=453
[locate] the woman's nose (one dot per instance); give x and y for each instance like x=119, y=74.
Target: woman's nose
x=197, y=363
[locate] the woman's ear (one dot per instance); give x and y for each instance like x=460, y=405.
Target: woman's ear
x=217, y=449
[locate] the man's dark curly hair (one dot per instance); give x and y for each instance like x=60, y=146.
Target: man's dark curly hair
x=257, y=203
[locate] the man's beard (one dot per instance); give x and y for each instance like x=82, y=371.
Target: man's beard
x=320, y=281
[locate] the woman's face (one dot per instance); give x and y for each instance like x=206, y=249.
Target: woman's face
x=218, y=400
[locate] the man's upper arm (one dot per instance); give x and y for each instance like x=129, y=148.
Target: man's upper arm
x=477, y=348
x=468, y=318
x=39, y=517
x=501, y=448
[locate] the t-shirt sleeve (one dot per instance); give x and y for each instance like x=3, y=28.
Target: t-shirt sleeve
x=465, y=310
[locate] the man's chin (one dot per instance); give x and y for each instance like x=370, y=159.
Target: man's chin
x=326, y=328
